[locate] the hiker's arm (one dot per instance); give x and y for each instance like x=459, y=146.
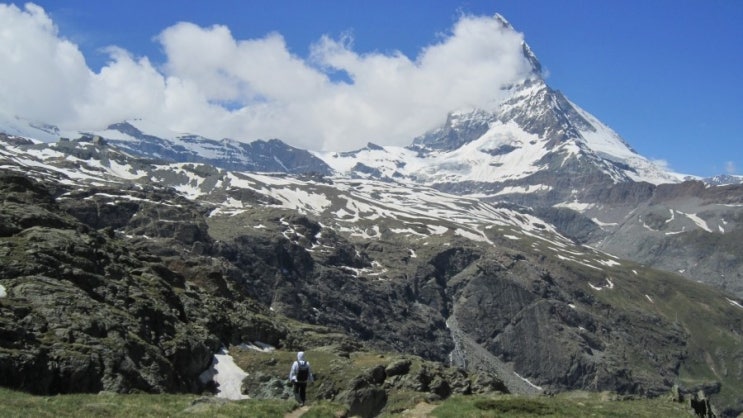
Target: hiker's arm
x=293, y=372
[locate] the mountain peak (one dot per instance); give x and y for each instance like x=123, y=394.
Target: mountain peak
x=526, y=50
x=536, y=66
x=503, y=21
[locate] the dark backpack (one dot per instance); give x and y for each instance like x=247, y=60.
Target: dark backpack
x=303, y=371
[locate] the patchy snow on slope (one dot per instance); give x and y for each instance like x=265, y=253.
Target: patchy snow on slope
x=523, y=189
x=598, y=222
x=576, y=206
x=528, y=382
x=124, y=171
x=609, y=285
x=473, y=236
x=437, y=229
x=697, y=220
x=227, y=375
x=388, y=160
x=258, y=346
x=407, y=231
x=301, y=200
x=474, y=161
x=609, y=263
x=124, y=197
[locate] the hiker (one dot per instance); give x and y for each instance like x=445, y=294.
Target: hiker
x=300, y=375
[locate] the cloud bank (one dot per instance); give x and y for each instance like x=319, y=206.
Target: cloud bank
x=217, y=86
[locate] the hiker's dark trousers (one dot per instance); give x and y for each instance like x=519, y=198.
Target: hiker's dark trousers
x=300, y=391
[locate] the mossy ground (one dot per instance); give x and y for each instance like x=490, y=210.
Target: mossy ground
x=333, y=370
x=17, y=404
x=574, y=404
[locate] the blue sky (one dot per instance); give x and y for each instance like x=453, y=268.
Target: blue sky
x=666, y=75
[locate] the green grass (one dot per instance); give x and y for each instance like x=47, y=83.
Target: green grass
x=17, y=404
x=565, y=405
x=324, y=409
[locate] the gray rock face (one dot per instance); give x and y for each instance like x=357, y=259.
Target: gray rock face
x=456, y=131
x=687, y=228
x=84, y=312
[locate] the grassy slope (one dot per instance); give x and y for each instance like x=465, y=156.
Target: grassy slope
x=16, y=404
x=712, y=352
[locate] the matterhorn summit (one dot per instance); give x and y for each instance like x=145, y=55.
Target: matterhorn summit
x=530, y=140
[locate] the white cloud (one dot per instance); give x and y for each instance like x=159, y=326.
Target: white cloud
x=40, y=72
x=730, y=167
x=218, y=86
x=662, y=164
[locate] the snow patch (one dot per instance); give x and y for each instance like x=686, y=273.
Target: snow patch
x=472, y=235
x=609, y=263
x=524, y=189
x=603, y=224
x=528, y=382
x=258, y=346
x=437, y=229
x=301, y=200
x=734, y=303
x=3, y=293
x=227, y=375
x=407, y=231
x=576, y=206
x=697, y=220
x=609, y=285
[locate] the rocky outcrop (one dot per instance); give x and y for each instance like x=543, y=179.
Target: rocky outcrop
x=86, y=312
x=367, y=383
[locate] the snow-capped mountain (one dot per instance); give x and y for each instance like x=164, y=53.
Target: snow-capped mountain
x=268, y=156
x=19, y=126
x=533, y=134
x=148, y=139
x=528, y=140
x=724, y=179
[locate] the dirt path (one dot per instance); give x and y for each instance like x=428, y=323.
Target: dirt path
x=297, y=412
